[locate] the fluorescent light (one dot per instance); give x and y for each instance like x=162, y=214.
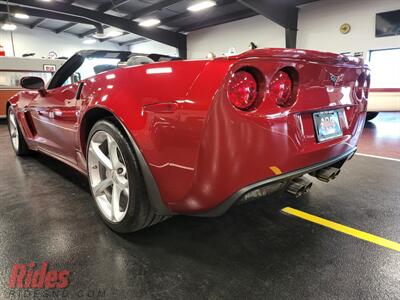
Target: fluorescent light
x=113, y=33
x=21, y=16
x=89, y=41
x=201, y=5
x=9, y=26
x=149, y=22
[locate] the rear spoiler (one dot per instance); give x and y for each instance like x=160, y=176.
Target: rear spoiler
x=309, y=55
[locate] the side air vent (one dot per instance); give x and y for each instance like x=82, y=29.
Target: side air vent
x=29, y=121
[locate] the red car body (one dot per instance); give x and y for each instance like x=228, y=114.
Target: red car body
x=197, y=152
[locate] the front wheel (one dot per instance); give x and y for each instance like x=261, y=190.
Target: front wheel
x=116, y=182
x=17, y=139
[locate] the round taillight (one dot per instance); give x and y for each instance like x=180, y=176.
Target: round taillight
x=359, y=86
x=280, y=89
x=242, y=90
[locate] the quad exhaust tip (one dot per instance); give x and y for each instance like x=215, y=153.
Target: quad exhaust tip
x=326, y=174
x=299, y=186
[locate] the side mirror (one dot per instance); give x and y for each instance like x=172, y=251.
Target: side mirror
x=76, y=77
x=33, y=83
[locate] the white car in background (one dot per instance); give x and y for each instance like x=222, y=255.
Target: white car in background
x=384, y=94
x=382, y=100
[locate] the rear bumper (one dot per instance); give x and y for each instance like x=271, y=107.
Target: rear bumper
x=224, y=206
x=240, y=149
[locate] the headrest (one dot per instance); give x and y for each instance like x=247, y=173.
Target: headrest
x=139, y=60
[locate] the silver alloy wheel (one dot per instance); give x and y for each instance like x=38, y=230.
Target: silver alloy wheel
x=12, y=121
x=108, y=176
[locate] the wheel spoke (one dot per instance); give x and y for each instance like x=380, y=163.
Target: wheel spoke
x=124, y=186
x=13, y=121
x=124, y=183
x=116, y=195
x=102, y=158
x=101, y=186
x=113, y=152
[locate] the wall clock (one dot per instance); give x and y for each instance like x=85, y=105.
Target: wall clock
x=345, y=28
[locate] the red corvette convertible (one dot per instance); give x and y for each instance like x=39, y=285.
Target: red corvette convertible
x=158, y=136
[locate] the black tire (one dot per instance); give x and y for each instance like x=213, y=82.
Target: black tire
x=22, y=149
x=140, y=213
x=371, y=115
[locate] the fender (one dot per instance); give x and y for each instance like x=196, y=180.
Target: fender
x=151, y=186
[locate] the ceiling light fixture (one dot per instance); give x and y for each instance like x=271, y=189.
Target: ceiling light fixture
x=100, y=36
x=89, y=42
x=21, y=16
x=150, y=22
x=9, y=26
x=113, y=34
x=202, y=5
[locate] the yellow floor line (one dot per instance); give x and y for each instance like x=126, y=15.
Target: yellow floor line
x=344, y=229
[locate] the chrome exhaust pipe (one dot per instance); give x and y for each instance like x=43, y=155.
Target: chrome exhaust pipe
x=299, y=186
x=326, y=174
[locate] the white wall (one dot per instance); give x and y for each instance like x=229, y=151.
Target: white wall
x=42, y=41
x=154, y=47
x=218, y=39
x=319, y=25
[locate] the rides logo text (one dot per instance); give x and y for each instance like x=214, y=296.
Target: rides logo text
x=33, y=276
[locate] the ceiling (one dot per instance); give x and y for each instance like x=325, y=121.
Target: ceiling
x=82, y=18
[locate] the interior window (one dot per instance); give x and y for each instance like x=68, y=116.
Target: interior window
x=385, y=66
x=12, y=79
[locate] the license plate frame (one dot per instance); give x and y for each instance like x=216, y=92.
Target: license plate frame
x=327, y=125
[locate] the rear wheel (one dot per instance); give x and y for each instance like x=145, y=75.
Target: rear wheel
x=371, y=115
x=115, y=180
x=17, y=139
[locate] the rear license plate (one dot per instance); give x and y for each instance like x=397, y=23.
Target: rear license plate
x=327, y=125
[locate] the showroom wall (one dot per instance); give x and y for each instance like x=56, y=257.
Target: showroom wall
x=42, y=41
x=319, y=24
x=218, y=39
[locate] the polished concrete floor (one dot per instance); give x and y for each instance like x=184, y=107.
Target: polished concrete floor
x=255, y=251
x=381, y=136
